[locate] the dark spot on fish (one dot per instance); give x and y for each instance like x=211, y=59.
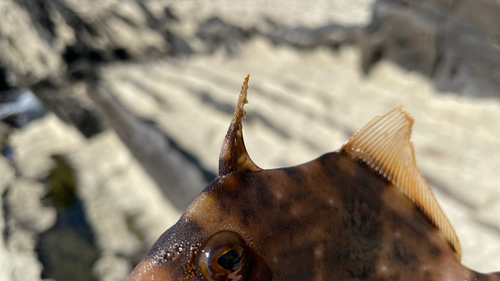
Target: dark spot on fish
x=361, y=272
x=301, y=196
x=296, y=255
x=227, y=190
x=284, y=206
x=262, y=192
x=290, y=171
x=395, y=277
x=421, y=220
x=289, y=226
x=224, y=207
x=401, y=254
x=423, y=225
x=295, y=175
x=435, y=253
x=481, y=277
x=247, y=215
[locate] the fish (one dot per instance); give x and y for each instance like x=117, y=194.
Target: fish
x=363, y=212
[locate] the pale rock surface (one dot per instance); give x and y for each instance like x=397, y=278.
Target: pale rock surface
x=6, y=178
x=24, y=224
x=18, y=232
x=29, y=54
x=250, y=13
x=122, y=204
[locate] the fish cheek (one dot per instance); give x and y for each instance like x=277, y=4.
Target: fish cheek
x=175, y=252
x=259, y=269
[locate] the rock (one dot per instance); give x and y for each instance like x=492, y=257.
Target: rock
x=37, y=218
x=6, y=178
x=41, y=139
x=25, y=56
x=45, y=42
x=19, y=225
x=69, y=101
x=251, y=14
x=179, y=179
x=121, y=209
x=124, y=206
x=22, y=227
x=112, y=268
x=21, y=108
x=455, y=43
x=68, y=250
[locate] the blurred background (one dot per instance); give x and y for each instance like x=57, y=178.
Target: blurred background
x=113, y=112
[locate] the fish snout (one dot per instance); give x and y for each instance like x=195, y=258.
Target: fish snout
x=149, y=270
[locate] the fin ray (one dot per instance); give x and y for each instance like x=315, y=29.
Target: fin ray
x=384, y=144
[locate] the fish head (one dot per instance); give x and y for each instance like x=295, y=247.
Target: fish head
x=215, y=239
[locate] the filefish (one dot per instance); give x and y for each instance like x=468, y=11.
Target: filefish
x=363, y=212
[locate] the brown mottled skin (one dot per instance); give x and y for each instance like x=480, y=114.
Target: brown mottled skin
x=330, y=219
x=334, y=218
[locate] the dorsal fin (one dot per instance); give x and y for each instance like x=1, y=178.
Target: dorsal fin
x=384, y=144
x=233, y=155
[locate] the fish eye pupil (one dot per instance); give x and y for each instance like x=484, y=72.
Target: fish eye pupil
x=225, y=256
x=230, y=260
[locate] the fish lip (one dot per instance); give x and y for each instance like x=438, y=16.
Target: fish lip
x=149, y=270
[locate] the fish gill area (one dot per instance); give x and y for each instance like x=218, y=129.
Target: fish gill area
x=113, y=113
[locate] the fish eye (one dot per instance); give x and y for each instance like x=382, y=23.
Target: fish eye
x=225, y=256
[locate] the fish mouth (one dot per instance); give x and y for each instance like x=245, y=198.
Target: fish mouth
x=148, y=270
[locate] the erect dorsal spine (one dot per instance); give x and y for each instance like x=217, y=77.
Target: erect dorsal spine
x=233, y=155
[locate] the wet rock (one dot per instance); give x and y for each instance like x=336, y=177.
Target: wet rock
x=68, y=250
